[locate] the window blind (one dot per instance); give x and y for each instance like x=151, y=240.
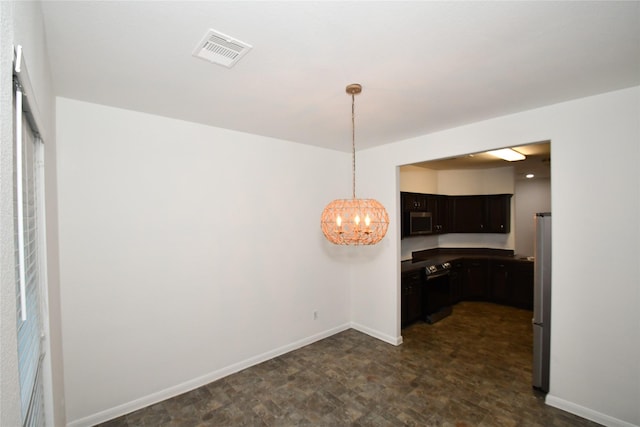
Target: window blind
x=27, y=189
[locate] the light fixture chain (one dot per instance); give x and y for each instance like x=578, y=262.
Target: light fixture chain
x=353, y=141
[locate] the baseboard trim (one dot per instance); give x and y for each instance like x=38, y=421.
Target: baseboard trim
x=186, y=386
x=377, y=334
x=584, y=412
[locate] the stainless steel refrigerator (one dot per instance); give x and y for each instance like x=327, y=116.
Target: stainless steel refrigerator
x=542, y=301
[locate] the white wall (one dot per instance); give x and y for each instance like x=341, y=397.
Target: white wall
x=532, y=196
x=187, y=252
x=483, y=181
x=21, y=24
x=457, y=182
x=416, y=179
x=595, y=343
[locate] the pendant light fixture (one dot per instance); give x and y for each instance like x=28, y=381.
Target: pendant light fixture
x=354, y=221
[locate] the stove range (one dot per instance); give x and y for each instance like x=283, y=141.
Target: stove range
x=438, y=298
x=437, y=268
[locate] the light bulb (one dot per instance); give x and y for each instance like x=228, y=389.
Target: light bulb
x=367, y=220
x=339, y=221
x=357, y=219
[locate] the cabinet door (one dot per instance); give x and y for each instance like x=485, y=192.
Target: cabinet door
x=522, y=284
x=498, y=208
x=413, y=202
x=475, y=282
x=456, y=279
x=404, y=302
x=499, y=282
x=468, y=214
x=411, y=298
x=439, y=207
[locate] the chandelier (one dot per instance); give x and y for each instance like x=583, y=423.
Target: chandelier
x=354, y=221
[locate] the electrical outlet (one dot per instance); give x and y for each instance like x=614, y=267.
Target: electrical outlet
x=315, y=314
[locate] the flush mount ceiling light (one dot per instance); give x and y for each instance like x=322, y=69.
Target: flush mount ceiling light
x=508, y=154
x=354, y=221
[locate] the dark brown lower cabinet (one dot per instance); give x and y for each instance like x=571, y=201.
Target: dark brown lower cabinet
x=522, y=285
x=411, y=304
x=502, y=281
x=456, y=278
x=474, y=286
x=499, y=288
x=511, y=283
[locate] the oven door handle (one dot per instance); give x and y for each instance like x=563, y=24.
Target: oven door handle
x=437, y=275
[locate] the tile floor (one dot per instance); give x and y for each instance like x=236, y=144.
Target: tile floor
x=472, y=368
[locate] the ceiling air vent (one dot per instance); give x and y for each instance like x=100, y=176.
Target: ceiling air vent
x=221, y=49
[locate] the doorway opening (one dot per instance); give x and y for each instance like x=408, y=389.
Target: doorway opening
x=495, y=269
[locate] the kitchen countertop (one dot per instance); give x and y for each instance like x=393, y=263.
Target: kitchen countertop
x=422, y=259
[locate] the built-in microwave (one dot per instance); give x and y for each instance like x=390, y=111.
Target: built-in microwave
x=419, y=223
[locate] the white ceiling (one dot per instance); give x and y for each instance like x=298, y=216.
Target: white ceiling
x=424, y=66
x=537, y=162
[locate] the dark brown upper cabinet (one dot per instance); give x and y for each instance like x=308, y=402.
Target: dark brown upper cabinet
x=438, y=205
x=480, y=214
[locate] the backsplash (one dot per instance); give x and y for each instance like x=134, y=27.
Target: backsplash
x=413, y=244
